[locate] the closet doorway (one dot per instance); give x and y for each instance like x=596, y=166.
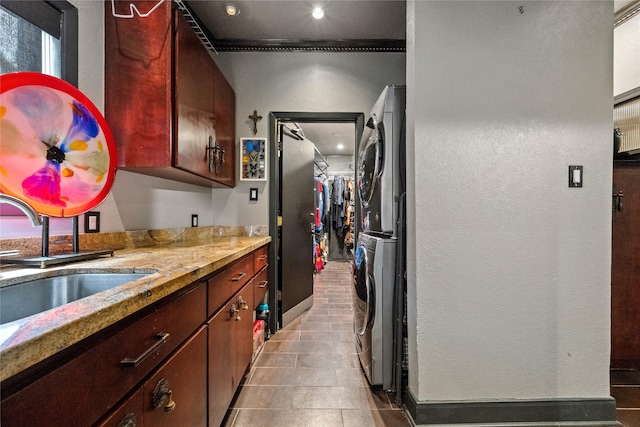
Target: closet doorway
x=293, y=224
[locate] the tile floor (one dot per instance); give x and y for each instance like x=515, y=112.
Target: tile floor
x=308, y=373
x=625, y=388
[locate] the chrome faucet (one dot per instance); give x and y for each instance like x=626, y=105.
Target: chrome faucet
x=23, y=206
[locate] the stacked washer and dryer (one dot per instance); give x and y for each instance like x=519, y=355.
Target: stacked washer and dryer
x=378, y=266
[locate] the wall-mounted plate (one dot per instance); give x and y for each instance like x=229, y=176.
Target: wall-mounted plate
x=57, y=153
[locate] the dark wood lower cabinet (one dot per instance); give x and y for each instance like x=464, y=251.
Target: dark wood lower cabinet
x=222, y=361
x=177, y=394
x=174, y=396
x=230, y=350
x=192, y=358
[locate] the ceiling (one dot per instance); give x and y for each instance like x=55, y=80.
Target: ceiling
x=327, y=137
x=347, y=25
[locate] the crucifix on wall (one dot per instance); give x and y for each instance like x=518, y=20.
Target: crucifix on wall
x=255, y=117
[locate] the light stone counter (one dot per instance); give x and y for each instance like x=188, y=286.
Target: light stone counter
x=25, y=342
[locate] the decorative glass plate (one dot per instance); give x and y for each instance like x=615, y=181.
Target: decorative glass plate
x=56, y=151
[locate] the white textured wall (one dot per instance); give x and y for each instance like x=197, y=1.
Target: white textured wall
x=509, y=271
x=296, y=82
x=626, y=57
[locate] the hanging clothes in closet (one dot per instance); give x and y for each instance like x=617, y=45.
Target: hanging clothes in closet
x=321, y=214
x=340, y=221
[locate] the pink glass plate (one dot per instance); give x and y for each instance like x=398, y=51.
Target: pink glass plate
x=56, y=150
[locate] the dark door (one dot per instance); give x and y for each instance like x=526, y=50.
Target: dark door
x=625, y=268
x=298, y=215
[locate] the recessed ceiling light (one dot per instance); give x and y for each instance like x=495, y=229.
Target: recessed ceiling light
x=231, y=9
x=340, y=146
x=318, y=13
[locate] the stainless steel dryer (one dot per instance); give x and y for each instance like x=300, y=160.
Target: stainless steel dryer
x=380, y=159
x=374, y=274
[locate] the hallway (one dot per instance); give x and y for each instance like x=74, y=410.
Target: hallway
x=308, y=373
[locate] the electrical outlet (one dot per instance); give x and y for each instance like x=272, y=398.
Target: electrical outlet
x=194, y=220
x=92, y=222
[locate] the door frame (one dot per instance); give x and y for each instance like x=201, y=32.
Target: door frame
x=274, y=188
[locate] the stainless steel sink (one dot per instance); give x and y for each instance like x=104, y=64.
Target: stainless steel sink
x=35, y=296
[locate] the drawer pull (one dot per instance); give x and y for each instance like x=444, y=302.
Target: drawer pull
x=238, y=277
x=263, y=284
x=263, y=257
x=162, y=337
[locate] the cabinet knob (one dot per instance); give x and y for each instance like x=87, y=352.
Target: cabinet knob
x=162, y=396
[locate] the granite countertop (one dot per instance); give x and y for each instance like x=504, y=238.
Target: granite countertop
x=25, y=342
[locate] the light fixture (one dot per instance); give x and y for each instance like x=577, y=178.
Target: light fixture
x=318, y=13
x=340, y=146
x=231, y=9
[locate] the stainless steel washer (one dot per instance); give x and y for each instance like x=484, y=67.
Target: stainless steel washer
x=374, y=275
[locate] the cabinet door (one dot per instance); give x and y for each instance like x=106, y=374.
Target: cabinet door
x=193, y=102
x=222, y=361
x=177, y=394
x=138, y=96
x=224, y=107
x=244, y=331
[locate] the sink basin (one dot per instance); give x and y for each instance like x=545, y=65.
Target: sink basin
x=38, y=295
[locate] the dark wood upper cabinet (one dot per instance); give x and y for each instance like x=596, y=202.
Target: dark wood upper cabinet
x=170, y=109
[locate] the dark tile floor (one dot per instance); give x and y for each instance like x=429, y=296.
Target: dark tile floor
x=308, y=373
x=625, y=388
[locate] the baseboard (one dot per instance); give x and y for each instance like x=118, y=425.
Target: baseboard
x=296, y=311
x=538, y=412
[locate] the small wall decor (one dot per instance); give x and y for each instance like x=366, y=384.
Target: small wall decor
x=253, y=159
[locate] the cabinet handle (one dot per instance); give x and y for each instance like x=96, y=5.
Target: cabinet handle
x=161, y=338
x=263, y=284
x=162, y=396
x=263, y=257
x=233, y=311
x=128, y=421
x=215, y=154
x=242, y=304
x=238, y=277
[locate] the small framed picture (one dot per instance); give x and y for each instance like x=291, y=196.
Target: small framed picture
x=253, y=159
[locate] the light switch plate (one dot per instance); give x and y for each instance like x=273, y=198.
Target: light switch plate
x=194, y=220
x=576, y=176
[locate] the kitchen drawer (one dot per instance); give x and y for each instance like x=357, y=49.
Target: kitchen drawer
x=223, y=285
x=84, y=389
x=260, y=258
x=261, y=285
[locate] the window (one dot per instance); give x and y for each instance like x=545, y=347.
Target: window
x=39, y=36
